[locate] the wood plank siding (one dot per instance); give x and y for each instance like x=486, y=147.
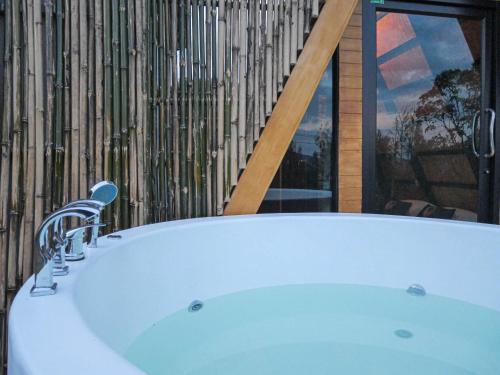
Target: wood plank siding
x=350, y=116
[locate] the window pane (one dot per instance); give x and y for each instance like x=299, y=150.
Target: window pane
x=428, y=92
x=303, y=182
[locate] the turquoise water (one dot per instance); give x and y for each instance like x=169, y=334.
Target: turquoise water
x=323, y=329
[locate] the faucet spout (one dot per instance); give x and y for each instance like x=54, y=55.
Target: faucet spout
x=44, y=281
x=96, y=219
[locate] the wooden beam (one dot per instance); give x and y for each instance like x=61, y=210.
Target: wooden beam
x=291, y=107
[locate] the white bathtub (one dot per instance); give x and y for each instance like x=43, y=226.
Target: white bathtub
x=127, y=284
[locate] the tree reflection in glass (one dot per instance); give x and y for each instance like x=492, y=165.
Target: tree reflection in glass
x=428, y=91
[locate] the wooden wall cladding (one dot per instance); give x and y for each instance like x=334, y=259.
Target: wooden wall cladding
x=350, y=116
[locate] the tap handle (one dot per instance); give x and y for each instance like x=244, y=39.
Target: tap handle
x=72, y=232
x=75, y=241
x=87, y=203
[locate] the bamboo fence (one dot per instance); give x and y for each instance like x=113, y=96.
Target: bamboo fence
x=165, y=98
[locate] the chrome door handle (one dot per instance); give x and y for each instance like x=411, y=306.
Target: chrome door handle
x=492, y=133
x=477, y=116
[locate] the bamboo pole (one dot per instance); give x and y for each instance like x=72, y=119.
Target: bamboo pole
x=257, y=71
x=281, y=27
x=14, y=266
x=210, y=105
x=154, y=102
x=152, y=121
x=300, y=25
x=59, y=109
x=213, y=135
x=294, y=32
x=269, y=59
x=203, y=114
x=227, y=107
x=262, y=77
x=286, y=37
x=83, y=98
x=116, y=120
x=132, y=115
x=108, y=95
x=275, y=52
x=75, y=103
x=170, y=72
x=307, y=17
x=141, y=115
x=5, y=159
x=166, y=93
x=162, y=111
x=153, y=109
x=149, y=198
x=196, y=111
x=124, y=121
x=175, y=115
x=315, y=8
x=25, y=257
x=14, y=274
x=251, y=51
x=99, y=98
x=235, y=158
x=189, y=77
x=39, y=117
x=220, y=105
x=49, y=91
x=242, y=96
x=67, y=128
x=91, y=96
x=183, y=142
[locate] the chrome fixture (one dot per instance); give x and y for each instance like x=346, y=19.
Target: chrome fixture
x=60, y=267
x=75, y=236
x=403, y=333
x=416, y=290
x=491, y=129
x=44, y=279
x=474, y=126
x=491, y=133
x=195, y=306
x=105, y=192
x=74, y=245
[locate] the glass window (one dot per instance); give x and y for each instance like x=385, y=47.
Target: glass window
x=303, y=182
x=428, y=92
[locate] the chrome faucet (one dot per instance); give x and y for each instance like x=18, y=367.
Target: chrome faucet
x=75, y=236
x=44, y=279
x=101, y=194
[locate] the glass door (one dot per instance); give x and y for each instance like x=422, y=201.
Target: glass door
x=305, y=181
x=431, y=129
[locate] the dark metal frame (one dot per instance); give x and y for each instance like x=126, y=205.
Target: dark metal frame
x=485, y=9
x=496, y=167
x=334, y=179
x=2, y=60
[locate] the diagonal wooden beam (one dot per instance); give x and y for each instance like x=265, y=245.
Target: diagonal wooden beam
x=290, y=108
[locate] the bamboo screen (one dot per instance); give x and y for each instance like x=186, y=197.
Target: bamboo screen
x=165, y=98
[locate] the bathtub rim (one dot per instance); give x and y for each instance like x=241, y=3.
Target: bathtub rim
x=27, y=313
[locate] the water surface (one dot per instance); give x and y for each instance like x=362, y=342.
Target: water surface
x=323, y=329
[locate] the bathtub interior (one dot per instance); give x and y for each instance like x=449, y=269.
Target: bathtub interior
x=156, y=271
